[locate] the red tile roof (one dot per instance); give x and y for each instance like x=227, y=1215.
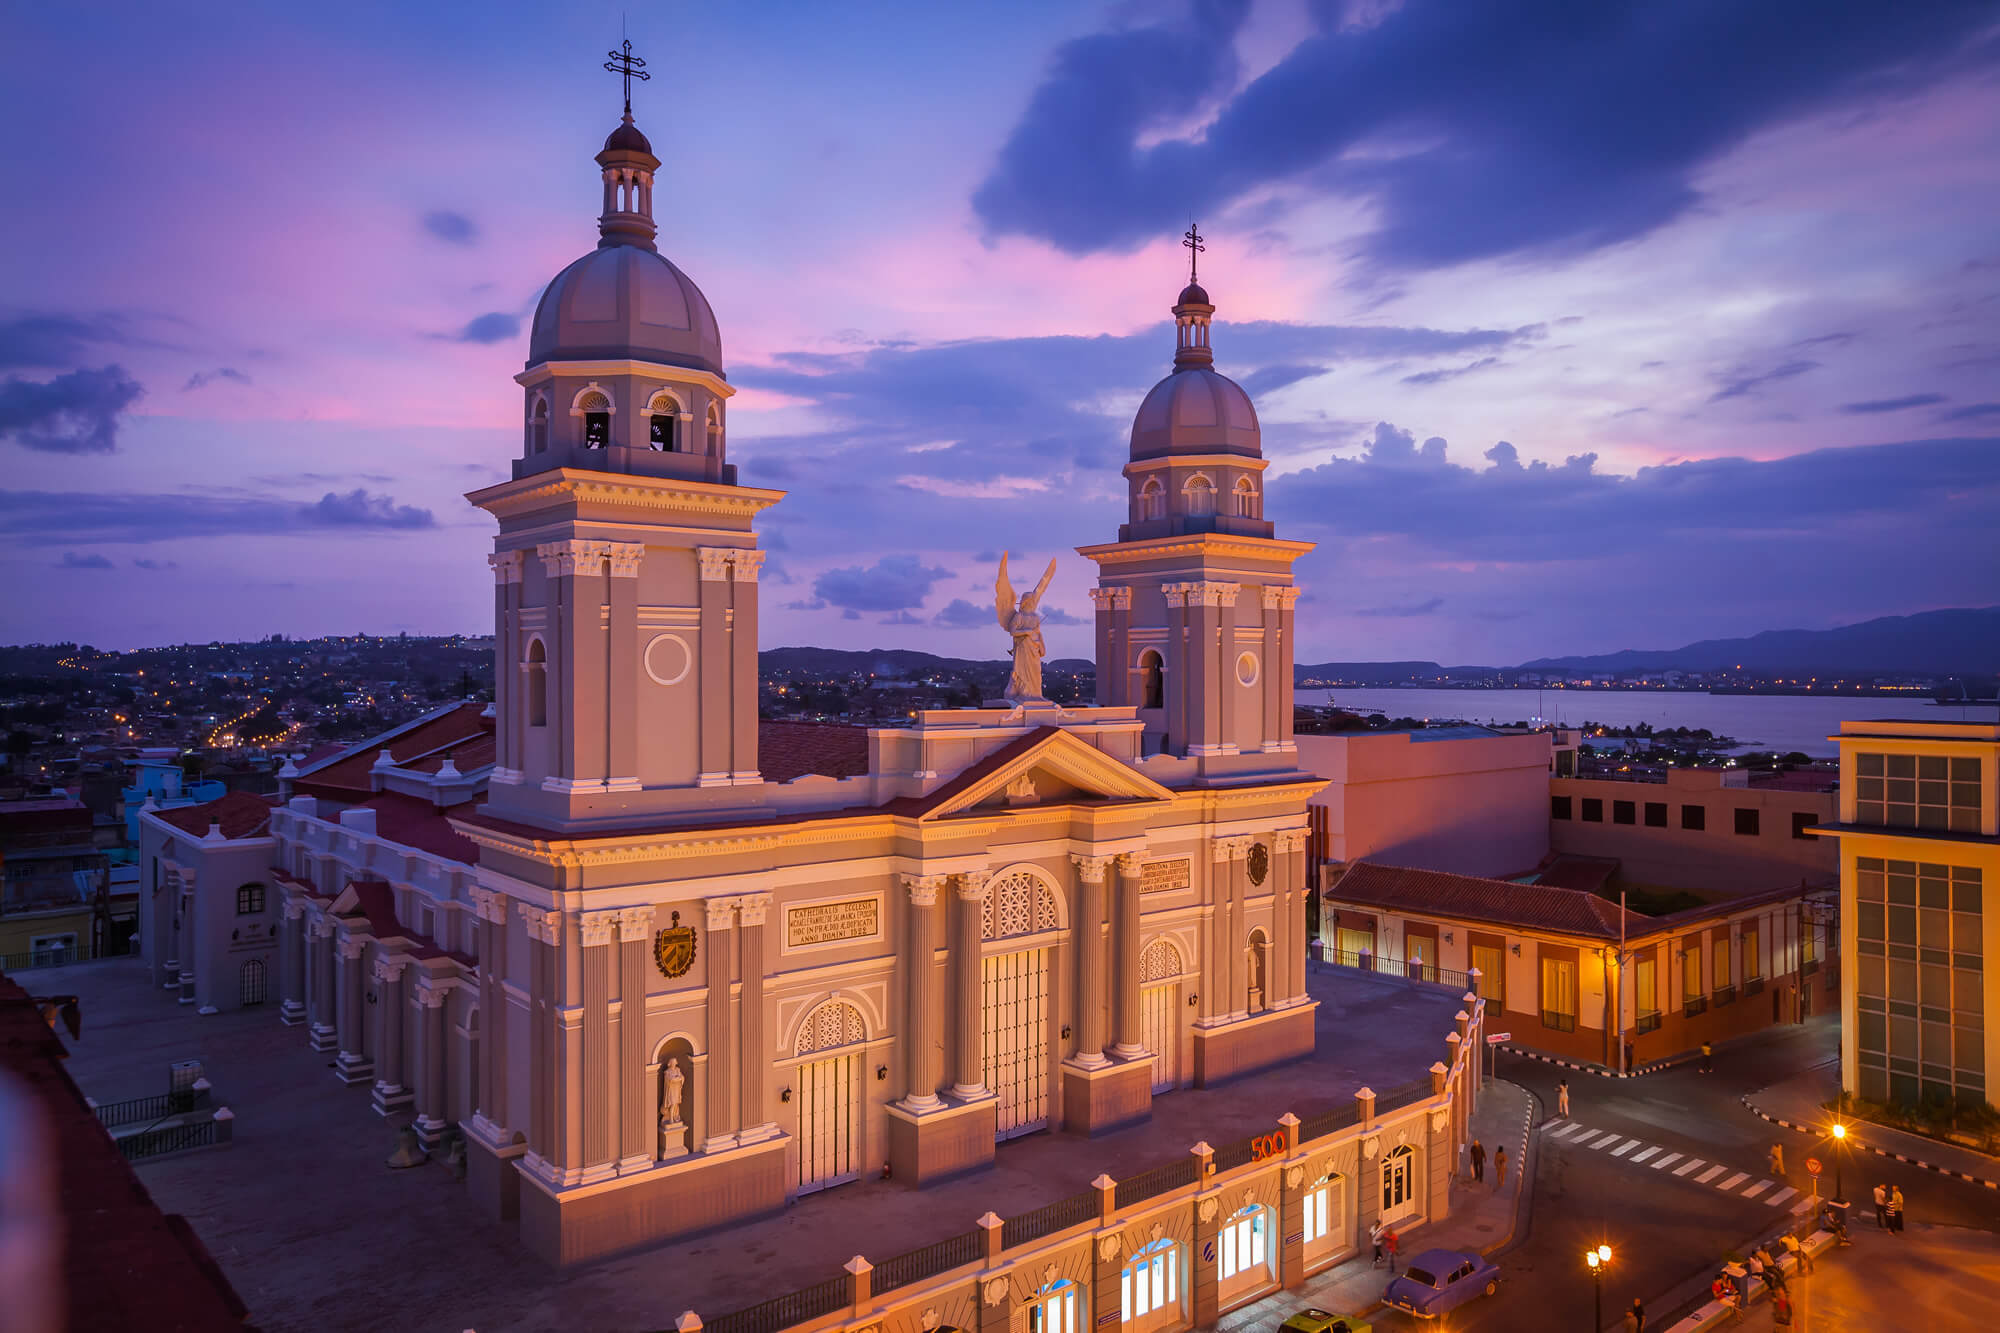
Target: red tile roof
x=789, y=750
x=424, y=741
x=377, y=899
x=124, y=1263
x=1566, y=870
x=1470, y=898
x=241, y=814
x=415, y=822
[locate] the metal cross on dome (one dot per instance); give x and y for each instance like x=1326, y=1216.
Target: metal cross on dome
x=629, y=67
x=1191, y=238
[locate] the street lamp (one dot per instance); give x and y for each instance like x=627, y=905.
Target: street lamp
x=1839, y=1147
x=1598, y=1259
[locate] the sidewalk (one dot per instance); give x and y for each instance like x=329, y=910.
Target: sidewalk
x=1799, y=1103
x=1483, y=1218
x=1946, y=1273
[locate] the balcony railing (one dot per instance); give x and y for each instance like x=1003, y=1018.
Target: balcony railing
x=1695, y=1004
x=1723, y=995
x=1556, y=1022
x=1754, y=986
x=1649, y=1021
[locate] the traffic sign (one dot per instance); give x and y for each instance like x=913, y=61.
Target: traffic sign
x=1812, y=1165
x=1495, y=1038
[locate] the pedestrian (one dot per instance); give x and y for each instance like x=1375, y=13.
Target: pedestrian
x=1755, y=1265
x=1778, y=1160
x=1635, y=1318
x=1802, y=1260
x=1707, y=1057
x=1375, y=1233
x=1500, y=1167
x=1896, y=1209
x=1737, y=1283
x=1774, y=1276
x=1389, y=1245
x=1781, y=1310
x=1562, y=1098
x=1882, y=1207
x=1478, y=1160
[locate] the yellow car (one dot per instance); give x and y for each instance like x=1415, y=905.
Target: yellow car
x=1324, y=1321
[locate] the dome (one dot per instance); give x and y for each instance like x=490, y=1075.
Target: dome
x=1195, y=411
x=622, y=301
x=627, y=138
x=1192, y=294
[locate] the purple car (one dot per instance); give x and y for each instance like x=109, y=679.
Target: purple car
x=1439, y=1281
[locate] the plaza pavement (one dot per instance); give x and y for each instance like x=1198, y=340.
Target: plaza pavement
x=1938, y=1279
x=316, y=1233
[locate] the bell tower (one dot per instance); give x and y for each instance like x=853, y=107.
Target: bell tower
x=625, y=568
x=1195, y=600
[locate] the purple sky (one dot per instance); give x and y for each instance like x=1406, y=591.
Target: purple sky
x=1677, y=321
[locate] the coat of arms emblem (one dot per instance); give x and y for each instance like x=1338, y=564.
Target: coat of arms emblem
x=673, y=948
x=1260, y=862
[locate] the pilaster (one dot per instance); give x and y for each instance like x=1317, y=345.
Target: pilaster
x=622, y=664
x=753, y=1050
x=597, y=1097
x=744, y=566
x=722, y=1053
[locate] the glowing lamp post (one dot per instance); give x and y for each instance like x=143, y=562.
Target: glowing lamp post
x=1598, y=1259
x=1839, y=1147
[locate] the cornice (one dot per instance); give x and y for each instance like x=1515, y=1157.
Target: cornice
x=537, y=490
x=1246, y=464
x=1200, y=543
x=544, y=371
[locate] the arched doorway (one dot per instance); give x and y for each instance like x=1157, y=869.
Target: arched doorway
x=255, y=984
x=1244, y=1252
x=1152, y=685
x=827, y=1089
x=1259, y=955
x=1150, y=1287
x=1160, y=969
x=1399, y=1185
x=1014, y=1000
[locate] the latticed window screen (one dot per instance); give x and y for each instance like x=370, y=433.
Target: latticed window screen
x=1160, y=962
x=830, y=1026
x=1018, y=904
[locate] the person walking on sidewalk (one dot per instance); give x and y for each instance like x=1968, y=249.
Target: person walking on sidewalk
x=1635, y=1318
x=1778, y=1160
x=1500, y=1167
x=1562, y=1098
x=1707, y=1057
x=1375, y=1234
x=1389, y=1246
x=1882, y=1207
x=1478, y=1160
x=1802, y=1260
x=1896, y=1209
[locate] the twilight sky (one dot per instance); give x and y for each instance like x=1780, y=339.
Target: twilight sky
x=1572, y=327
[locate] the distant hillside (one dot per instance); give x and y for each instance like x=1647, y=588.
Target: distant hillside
x=892, y=663
x=1388, y=673
x=1962, y=642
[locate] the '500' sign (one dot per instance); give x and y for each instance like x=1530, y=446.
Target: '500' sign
x=1267, y=1145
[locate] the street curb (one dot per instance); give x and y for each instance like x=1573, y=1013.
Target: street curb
x=1753, y=1109
x=1524, y=1197
x=1712, y=1313
x=1599, y=1070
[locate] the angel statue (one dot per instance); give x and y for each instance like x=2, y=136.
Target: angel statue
x=1023, y=620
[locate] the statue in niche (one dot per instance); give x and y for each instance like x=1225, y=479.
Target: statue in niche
x=1022, y=618
x=673, y=1131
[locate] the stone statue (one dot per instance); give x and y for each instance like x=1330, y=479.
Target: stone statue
x=673, y=1136
x=1023, y=620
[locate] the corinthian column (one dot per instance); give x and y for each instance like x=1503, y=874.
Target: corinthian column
x=390, y=1093
x=920, y=1093
x=1090, y=961
x=753, y=1050
x=1127, y=1023
x=966, y=967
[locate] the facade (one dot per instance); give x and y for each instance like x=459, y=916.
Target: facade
x=1565, y=973
x=706, y=978
x=1918, y=838
x=1462, y=799
x=53, y=881
x=1717, y=830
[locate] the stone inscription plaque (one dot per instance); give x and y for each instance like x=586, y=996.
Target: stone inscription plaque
x=1166, y=876
x=826, y=923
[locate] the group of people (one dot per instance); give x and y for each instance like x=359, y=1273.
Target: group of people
x=1477, y=1152
x=1734, y=1282
x=1889, y=1208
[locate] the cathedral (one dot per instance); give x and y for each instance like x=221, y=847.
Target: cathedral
x=680, y=967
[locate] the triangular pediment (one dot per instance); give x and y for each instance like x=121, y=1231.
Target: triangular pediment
x=1054, y=768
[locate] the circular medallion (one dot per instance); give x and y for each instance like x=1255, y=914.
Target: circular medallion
x=1246, y=669
x=1260, y=862
x=673, y=949
x=668, y=659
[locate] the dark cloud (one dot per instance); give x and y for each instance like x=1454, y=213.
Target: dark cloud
x=1055, y=615
x=55, y=342
x=1971, y=412
x=1893, y=404
x=961, y=614
x=1573, y=127
x=814, y=605
x=1745, y=382
x=1270, y=379
x=76, y=413
x=113, y=516
x=1451, y=372
x=901, y=618
x=71, y=560
x=1404, y=612
x=203, y=378
x=496, y=327
x=146, y=562
x=449, y=226
x=893, y=583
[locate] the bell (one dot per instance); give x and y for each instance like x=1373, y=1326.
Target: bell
x=409, y=1150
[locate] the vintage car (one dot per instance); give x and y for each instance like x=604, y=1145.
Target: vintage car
x=1324, y=1321
x=1439, y=1281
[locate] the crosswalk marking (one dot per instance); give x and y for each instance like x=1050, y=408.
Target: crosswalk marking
x=1639, y=1157
x=1734, y=1181
x=1625, y=1147
x=1758, y=1188
x=1566, y=1131
x=1801, y=1206
x=1709, y=1174
x=1668, y=1160
x=1781, y=1195
x=1606, y=1141
x=1693, y=1162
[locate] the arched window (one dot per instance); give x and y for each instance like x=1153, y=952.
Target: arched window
x=1018, y=904
x=1243, y=1251
x=664, y=419
x=1399, y=1184
x=834, y=1024
x=1325, y=1213
x=537, y=668
x=538, y=427
x=595, y=408
x=256, y=987
x=1152, y=500
x=1151, y=679
x=714, y=434
x=1199, y=494
x=1149, y=1286
x=1058, y=1308
x=1248, y=503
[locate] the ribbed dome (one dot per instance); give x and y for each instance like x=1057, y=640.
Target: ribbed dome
x=621, y=301
x=1195, y=411
x=627, y=138
x=1192, y=294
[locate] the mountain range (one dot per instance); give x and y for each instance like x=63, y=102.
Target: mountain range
x=1963, y=642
